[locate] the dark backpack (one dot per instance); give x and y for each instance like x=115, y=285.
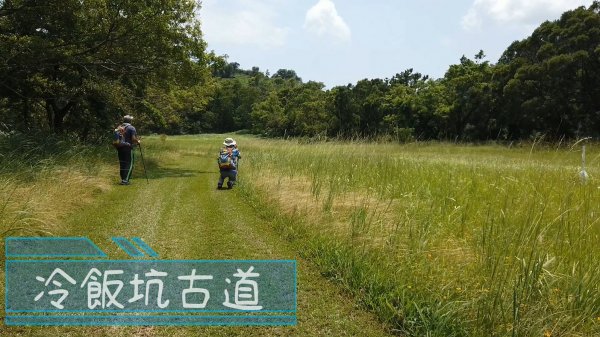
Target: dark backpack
x=119, y=137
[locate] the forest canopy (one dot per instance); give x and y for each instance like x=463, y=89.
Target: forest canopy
x=74, y=67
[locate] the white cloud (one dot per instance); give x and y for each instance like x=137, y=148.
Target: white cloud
x=323, y=20
x=471, y=20
x=245, y=23
x=520, y=12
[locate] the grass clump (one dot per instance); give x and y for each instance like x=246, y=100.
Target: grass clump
x=43, y=177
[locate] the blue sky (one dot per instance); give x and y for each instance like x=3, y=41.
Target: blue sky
x=343, y=41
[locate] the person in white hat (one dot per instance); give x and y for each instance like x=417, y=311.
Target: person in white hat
x=228, y=161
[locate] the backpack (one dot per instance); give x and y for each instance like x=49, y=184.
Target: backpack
x=226, y=160
x=119, y=137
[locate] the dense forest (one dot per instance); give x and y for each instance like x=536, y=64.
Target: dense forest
x=73, y=67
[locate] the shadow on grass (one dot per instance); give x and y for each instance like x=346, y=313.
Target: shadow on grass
x=155, y=171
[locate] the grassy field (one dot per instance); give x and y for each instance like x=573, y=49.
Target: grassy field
x=446, y=240
x=179, y=213
x=432, y=239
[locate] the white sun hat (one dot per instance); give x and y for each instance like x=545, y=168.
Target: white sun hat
x=229, y=142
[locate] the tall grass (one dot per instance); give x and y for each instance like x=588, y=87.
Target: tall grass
x=447, y=240
x=43, y=176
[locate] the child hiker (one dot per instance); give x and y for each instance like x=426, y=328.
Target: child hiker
x=228, y=161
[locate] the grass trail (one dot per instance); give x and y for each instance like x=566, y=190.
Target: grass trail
x=181, y=215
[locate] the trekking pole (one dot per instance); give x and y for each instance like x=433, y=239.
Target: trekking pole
x=583, y=174
x=143, y=162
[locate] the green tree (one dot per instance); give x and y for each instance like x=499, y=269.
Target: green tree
x=369, y=94
x=77, y=64
x=269, y=117
x=306, y=110
x=286, y=74
x=344, y=111
x=470, y=103
x=551, y=80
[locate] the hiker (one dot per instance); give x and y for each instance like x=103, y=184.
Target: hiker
x=228, y=161
x=127, y=138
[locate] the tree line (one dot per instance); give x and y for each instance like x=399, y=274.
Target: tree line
x=74, y=67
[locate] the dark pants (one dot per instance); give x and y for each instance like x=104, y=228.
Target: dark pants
x=125, y=162
x=230, y=174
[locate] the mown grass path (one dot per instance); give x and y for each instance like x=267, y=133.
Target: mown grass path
x=181, y=215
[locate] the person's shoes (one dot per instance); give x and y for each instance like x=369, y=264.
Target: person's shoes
x=229, y=186
x=219, y=187
x=124, y=182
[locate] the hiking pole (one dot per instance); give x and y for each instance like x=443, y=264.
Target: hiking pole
x=583, y=175
x=143, y=162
